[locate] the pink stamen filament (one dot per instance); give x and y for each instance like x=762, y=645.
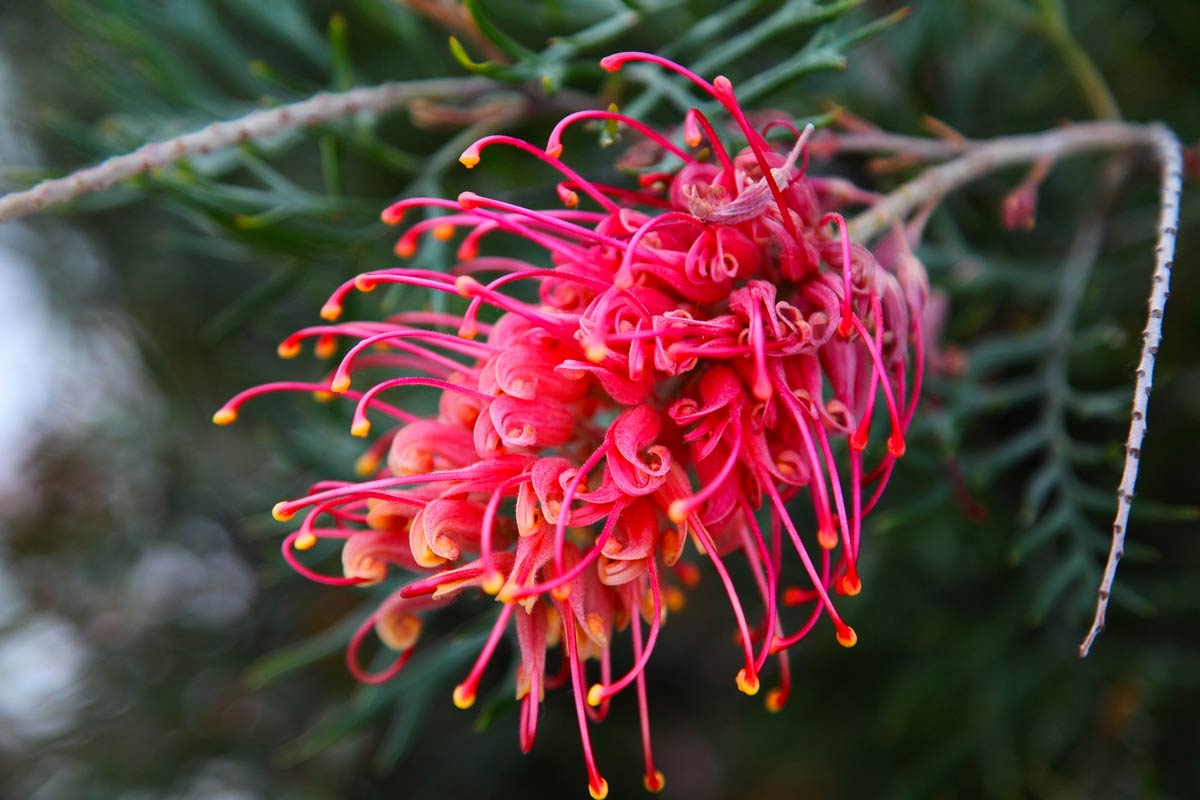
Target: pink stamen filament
x=352, y=656
x=641, y=659
x=554, y=142
x=471, y=683
x=595, y=782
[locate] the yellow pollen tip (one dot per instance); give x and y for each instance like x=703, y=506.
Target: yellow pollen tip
x=595, y=353
x=851, y=585
x=827, y=538
x=464, y=697
x=693, y=139
x=304, y=541
x=364, y=284
x=225, y=416
x=561, y=592
x=323, y=397
x=599, y=792
x=493, y=583
x=847, y=637
x=282, y=513
x=469, y=158
x=360, y=428
x=774, y=701
x=465, y=285
x=331, y=311
x=339, y=384
x=654, y=783
x=748, y=684
x=443, y=232
x=595, y=695
x=366, y=465
x=288, y=349
x=677, y=511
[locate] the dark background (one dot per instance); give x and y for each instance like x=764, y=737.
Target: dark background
x=149, y=630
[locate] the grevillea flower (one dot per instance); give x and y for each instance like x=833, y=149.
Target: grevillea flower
x=704, y=347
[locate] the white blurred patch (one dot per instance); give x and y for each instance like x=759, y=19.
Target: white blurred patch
x=42, y=663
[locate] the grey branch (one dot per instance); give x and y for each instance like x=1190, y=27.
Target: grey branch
x=320, y=108
x=985, y=157
x=1170, y=158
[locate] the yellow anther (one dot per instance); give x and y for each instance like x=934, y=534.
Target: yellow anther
x=304, y=541
x=464, y=697
x=225, y=416
x=654, y=783
x=847, y=637
x=361, y=427
x=288, y=349
x=364, y=283
x=493, y=583
x=827, y=538
x=443, y=232
x=331, y=311
x=749, y=684
x=366, y=465
x=774, y=701
x=282, y=513
x=598, y=792
x=339, y=384
x=678, y=511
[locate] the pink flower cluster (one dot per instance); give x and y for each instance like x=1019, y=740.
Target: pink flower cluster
x=697, y=348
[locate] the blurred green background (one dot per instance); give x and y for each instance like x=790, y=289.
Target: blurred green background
x=154, y=645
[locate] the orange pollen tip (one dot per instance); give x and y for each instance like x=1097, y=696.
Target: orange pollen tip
x=225, y=416
x=468, y=331
x=465, y=285
x=304, y=541
x=323, y=397
x=846, y=636
x=793, y=596
x=845, y=327
x=561, y=592
x=405, y=248
x=325, y=348
x=443, y=232
x=360, y=428
x=598, y=792
x=774, y=700
x=282, y=513
x=850, y=585
x=554, y=150
x=693, y=139
x=288, y=349
x=595, y=695
x=339, y=384
x=469, y=158
x=331, y=311
x=654, y=783
x=895, y=445
x=464, y=696
x=747, y=683
x=827, y=538
x=676, y=599
x=678, y=511
x=366, y=465
x=364, y=283
x=390, y=216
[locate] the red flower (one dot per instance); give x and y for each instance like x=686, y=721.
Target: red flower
x=697, y=346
